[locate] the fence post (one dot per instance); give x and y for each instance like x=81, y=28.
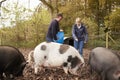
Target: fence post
x=107, y=40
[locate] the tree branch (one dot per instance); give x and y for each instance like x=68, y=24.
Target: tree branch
x=2, y=2
x=47, y=4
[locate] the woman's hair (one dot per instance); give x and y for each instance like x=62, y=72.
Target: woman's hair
x=78, y=20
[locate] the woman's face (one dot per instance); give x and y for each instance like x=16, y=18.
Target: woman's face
x=78, y=24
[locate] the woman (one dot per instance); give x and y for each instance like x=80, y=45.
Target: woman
x=80, y=35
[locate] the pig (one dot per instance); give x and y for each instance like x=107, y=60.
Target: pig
x=105, y=62
x=12, y=62
x=51, y=54
x=69, y=41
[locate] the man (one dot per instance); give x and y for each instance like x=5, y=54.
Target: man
x=53, y=29
x=80, y=35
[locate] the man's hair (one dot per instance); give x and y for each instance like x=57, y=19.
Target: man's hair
x=60, y=15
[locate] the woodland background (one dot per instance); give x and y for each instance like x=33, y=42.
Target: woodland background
x=28, y=28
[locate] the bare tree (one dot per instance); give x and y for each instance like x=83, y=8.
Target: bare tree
x=1, y=5
x=2, y=2
x=52, y=6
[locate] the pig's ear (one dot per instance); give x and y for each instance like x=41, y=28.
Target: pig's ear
x=117, y=72
x=117, y=75
x=24, y=64
x=82, y=65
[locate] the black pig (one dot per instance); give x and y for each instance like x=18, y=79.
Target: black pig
x=69, y=41
x=12, y=62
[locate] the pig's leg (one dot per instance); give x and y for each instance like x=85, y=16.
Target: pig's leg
x=65, y=69
x=37, y=67
x=91, y=72
x=103, y=76
x=39, y=61
x=9, y=76
x=1, y=75
x=73, y=71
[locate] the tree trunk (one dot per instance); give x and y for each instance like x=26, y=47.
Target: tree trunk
x=1, y=5
x=98, y=16
x=52, y=6
x=1, y=2
x=85, y=7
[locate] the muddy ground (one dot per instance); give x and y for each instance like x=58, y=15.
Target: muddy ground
x=55, y=73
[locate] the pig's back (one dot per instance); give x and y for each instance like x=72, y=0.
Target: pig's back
x=105, y=56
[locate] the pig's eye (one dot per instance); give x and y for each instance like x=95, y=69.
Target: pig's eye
x=119, y=78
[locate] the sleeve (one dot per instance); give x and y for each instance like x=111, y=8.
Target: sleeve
x=86, y=34
x=73, y=32
x=54, y=30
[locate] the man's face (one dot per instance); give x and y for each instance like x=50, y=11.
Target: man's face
x=59, y=18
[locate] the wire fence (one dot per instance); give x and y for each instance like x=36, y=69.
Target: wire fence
x=110, y=40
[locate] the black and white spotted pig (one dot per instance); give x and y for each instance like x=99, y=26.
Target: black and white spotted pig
x=55, y=55
x=106, y=63
x=12, y=62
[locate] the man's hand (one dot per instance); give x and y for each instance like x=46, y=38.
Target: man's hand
x=85, y=42
x=76, y=39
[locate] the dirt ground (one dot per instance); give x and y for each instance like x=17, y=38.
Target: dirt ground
x=55, y=73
